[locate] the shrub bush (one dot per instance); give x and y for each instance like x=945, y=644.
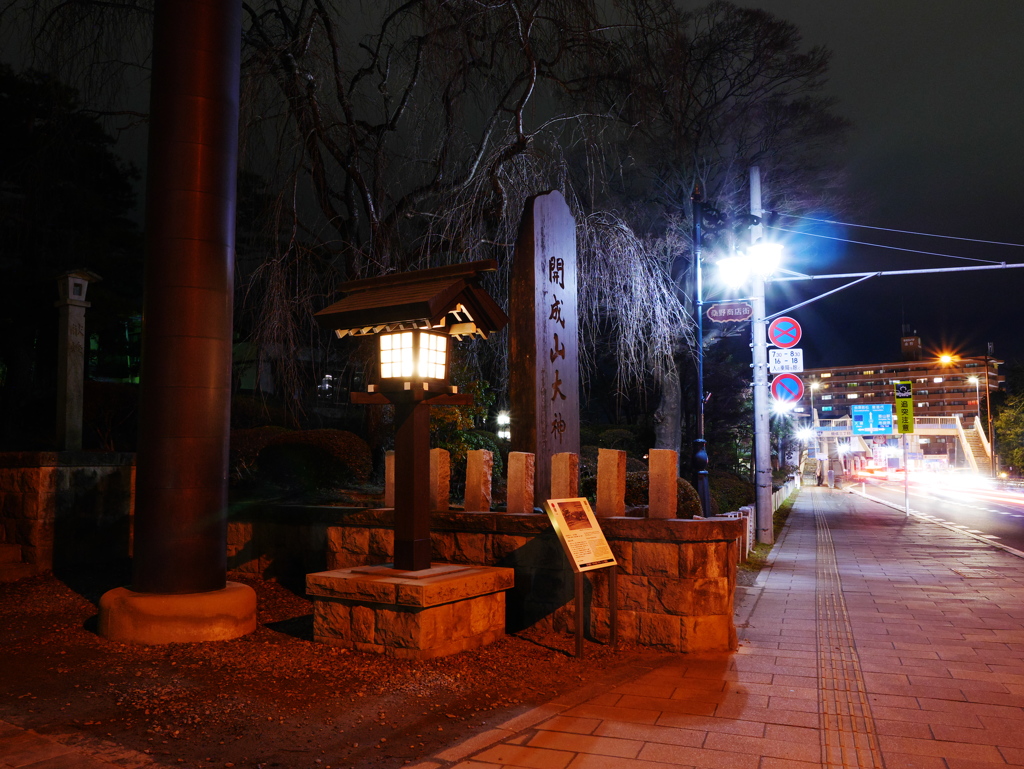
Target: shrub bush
x=315, y=459
x=637, y=484
x=245, y=448
x=729, y=492
x=618, y=438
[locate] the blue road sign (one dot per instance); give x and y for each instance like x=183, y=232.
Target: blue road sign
x=872, y=419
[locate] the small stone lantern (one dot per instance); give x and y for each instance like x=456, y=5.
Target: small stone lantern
x=72, y=287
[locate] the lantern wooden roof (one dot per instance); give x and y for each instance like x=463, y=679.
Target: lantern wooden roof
x=446, y=299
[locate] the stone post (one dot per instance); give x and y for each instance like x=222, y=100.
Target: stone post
x=565, y=475
x=662, y=488
x=611, y=483
x=440, y=479
x=71, y=356
x=389, y=479
x=479, y=468
x=520, y=482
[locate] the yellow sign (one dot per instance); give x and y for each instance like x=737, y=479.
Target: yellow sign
x=904, y=407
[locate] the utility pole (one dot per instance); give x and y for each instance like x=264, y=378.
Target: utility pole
x=988, y=415
x=700, y=453
x=762, y=449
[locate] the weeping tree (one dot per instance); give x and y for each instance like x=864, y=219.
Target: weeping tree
x=701, y=95
x=389, y=136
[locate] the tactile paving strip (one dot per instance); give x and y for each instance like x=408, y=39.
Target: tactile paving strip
x=848, y=737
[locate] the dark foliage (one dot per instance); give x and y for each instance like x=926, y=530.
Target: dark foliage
x=315, y=459
x=729, y=492
x=64, y=201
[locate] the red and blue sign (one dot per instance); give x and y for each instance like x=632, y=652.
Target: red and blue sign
x=788, y=388
x=784, y=332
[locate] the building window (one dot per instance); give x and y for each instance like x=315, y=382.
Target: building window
x=868, y=373
x=826, y=375
x=852, y=396
x=826, y=397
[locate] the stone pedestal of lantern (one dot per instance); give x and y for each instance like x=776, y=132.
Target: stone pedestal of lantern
x=422, y=614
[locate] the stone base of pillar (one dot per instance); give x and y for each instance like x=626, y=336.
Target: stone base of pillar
x=423, y=614
x=150, y=618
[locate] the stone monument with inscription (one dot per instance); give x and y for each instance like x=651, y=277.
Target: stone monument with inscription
x=544, y=362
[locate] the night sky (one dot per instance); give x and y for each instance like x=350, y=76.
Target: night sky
x=935, y=89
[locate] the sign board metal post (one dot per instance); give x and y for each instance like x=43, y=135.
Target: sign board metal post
x=587, y=549
x=904, y=393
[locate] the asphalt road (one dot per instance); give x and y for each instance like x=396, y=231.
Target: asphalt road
x=994, y=514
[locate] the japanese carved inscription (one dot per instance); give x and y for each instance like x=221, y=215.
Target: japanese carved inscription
x=543, y=364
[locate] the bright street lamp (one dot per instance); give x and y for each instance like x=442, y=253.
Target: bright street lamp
x=977, y=393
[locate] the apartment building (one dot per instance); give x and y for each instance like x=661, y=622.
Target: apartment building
x=942, y=386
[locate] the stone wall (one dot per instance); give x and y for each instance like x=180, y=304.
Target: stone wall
x=676, y=578
x=66, y=508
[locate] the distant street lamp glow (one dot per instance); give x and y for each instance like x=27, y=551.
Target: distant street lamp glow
x=782, y=407
x=504, y=420
x=806, y=435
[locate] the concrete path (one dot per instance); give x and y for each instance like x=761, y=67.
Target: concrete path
x=873, y=640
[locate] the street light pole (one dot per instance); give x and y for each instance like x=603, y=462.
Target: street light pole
x=762, y=448
x=988, y=414
x=977, y=393
x=700, y=454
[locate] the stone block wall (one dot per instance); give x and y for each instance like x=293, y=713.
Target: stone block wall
x=68, y=507
x=676, y=578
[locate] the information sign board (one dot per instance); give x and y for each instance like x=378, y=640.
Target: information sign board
x=833, y=431
x=578, y=531
x=783, y=361
x=872, y=419
x=904, y=407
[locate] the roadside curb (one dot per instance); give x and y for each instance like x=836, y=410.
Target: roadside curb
x=751, y=594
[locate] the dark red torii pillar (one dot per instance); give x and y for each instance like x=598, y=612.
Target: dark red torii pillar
x=184, y=411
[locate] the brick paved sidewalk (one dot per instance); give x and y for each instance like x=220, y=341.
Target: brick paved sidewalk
x=873, y=640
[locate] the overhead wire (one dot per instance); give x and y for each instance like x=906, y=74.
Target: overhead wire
x=890, y=229
x=879, y=245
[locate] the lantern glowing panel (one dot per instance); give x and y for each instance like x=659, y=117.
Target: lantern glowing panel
x=413, y=353
x=396, y=355
x=433, y=356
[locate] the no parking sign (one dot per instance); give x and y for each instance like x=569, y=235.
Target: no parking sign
x=784, y=332
x=788, y=388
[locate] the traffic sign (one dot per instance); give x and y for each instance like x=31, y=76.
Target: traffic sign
x=871, y=419
x=904, y=407
x=785, y=361
x=730, y=312
x=784, y=332
x=788, y=388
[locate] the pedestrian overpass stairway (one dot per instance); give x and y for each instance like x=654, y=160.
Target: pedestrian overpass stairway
x=977, y=449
